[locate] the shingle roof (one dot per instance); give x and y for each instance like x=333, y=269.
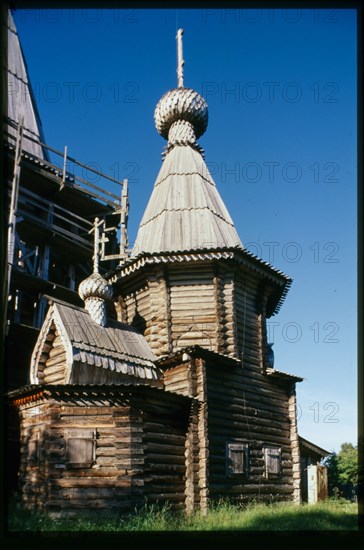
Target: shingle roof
x=116, y=347
x=20, y=99
x=185, y=210
x=121, y=340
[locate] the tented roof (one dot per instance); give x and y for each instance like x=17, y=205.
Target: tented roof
x=185, y=210
x=20, y=98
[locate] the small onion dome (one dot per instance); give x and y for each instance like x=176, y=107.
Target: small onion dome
x=181, y=104
x=95, y=286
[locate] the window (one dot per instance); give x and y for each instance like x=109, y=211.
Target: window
x=273, y=462
x=237, y=459
x=80, y=448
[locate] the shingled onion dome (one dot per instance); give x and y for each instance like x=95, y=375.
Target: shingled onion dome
x=181, y=115
x=95, y=290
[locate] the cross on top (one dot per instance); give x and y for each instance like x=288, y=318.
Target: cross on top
x=97, y=242
x=180, y=60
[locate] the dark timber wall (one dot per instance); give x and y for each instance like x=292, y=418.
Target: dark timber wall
x=87, y=451
x=245, y=406
x=238, y=405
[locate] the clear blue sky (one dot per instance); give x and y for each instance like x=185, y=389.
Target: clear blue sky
x=281, y=145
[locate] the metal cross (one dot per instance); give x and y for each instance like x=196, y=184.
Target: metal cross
x=180, y=60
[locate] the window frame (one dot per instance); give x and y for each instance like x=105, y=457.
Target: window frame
x=237, y=446
x=267, y=473
x=84, y=435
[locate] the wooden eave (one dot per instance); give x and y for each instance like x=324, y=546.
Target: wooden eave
x=139, y=396
x=183, y=356
x=240, y=257
x=279, y=375
x=117, y=347
x=311, y=448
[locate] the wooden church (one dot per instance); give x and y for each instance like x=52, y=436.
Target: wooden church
x=163, y=388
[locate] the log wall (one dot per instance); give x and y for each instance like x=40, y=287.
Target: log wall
x=137, y=455
x=144, y=303
x=194, y=318
x=189, y=379
x=53, y=361
x=248, y=407
x=49, y=483
x=183, y=305
x=247, y=323
x=164, y=462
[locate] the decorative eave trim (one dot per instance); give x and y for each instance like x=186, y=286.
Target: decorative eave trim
x=241, y=256
x=67, y=343
x=35, y=393
x=53, y=316
x=38, y=348
x=27, y=395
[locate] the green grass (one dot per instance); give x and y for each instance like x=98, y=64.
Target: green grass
x=328, y=515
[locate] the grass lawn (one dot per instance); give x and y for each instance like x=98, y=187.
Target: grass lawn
x=329, y=515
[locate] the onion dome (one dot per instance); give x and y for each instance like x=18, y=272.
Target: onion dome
x=95, y=286
x=181, y=104
x=95, y=290
x=181, y=115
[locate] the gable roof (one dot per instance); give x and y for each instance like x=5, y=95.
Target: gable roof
x=20, y=98
x=185, y=210
x=117, y=347
x=309, y=448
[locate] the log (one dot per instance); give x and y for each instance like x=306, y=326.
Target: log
x=56, y=352
x=52, y=334
x=78, y=473
x=164, y=459
x=166, y=496
x=53, y=370
x=165, y=448
x=57, y=360
x=53, y=378
x=85, y=504
x=93, y=482
x=251, y=489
